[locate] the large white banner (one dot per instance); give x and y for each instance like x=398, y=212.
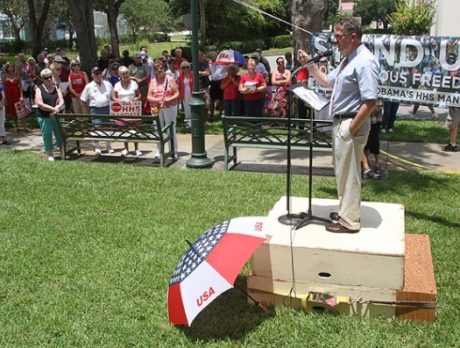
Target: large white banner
x=414, y=69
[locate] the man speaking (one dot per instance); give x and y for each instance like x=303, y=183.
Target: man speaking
x=354, y=93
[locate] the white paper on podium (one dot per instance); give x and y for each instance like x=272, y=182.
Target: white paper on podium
x=316, y=100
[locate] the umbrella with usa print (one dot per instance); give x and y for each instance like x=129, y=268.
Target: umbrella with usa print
x=211, y=265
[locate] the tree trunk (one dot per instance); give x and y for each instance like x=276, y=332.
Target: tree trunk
x=83, y=23
x=37, y=26
x=70, y=37
x=309, y=15
x=202, y=9
x=17, y=33
x=112, y=9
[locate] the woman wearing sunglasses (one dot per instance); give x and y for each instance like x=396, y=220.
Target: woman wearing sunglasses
x=163, y=96
x=49, y=100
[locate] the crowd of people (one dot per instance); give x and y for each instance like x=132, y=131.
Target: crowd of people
x=164, y=85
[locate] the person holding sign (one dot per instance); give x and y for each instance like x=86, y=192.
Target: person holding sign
x=49, y=100
x=253, y=87
x=354, y=95
x=163, y=96
x=126, y=91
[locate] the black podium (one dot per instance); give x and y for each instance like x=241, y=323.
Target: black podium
x=316, y=136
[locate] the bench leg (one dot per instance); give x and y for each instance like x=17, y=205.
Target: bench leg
x=234, y=156
x=78, y=148
x=63, y=149
x=226, y=159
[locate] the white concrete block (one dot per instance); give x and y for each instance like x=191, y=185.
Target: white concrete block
x=374, y=257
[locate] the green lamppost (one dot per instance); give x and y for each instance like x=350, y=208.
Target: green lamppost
x=198, y=158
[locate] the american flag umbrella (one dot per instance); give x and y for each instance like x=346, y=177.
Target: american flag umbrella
x=226, y=57
x=211, y=265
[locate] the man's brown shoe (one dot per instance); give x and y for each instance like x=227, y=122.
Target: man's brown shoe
x=336, y=227
x=334, y=216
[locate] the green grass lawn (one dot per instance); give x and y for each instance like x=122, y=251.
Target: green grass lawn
x=418, y=130
x=87, y=250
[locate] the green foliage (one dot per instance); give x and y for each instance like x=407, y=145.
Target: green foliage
x=282, y=41
x=227, y=21
x=86, y=263
x=374, y=10
x=331, y=15
x=247, y=46
x=145, y=17
x=412, y=18
x=14, y=46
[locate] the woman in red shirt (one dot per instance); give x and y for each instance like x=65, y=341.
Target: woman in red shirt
x=229, y=85
x=77, y=82
x=252, y=86
x=13, y=93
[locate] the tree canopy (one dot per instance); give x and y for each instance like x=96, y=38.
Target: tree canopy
x=413, y=19
x=374, y=10
x=147, y=16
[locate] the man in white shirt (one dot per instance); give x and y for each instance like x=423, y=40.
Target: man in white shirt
x=97, y=95
x=218, y=73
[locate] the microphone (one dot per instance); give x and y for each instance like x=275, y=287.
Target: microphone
x=316, y=59
x=311, y=61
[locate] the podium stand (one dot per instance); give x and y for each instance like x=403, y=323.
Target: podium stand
x=317, y=102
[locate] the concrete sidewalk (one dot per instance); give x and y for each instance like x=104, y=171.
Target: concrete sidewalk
x=402, y=155
x=408, y=156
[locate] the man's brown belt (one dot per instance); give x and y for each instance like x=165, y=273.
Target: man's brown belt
x=345, y=115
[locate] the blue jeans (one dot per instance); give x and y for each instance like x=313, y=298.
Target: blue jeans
x=93, y=110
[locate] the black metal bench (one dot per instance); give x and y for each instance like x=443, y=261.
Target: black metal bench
x=79, y=127
x=272, y=133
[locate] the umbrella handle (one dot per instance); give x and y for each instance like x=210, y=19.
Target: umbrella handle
x=257, y=303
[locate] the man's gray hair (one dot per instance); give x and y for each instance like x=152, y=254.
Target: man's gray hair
x=350, y=25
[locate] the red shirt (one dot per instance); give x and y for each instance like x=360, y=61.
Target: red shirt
x=258, y=80
x=78, y=81
x=182, y=85
x=302, y=75
x=231, y=91
x=178, y=61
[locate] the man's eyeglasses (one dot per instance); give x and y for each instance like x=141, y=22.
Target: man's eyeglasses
x=341, y=36
x=47, y=77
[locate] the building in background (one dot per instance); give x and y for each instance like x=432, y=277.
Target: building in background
x=445, y=21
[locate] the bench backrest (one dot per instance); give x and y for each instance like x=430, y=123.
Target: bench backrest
x=140, y=128
x=274, y=131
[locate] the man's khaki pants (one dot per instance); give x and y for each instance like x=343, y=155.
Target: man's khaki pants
x=347, y=153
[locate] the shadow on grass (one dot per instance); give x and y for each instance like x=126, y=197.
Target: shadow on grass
x=230, y=316
x=435, y=219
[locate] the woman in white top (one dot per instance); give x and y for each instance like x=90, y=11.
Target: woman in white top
x=126, y=91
